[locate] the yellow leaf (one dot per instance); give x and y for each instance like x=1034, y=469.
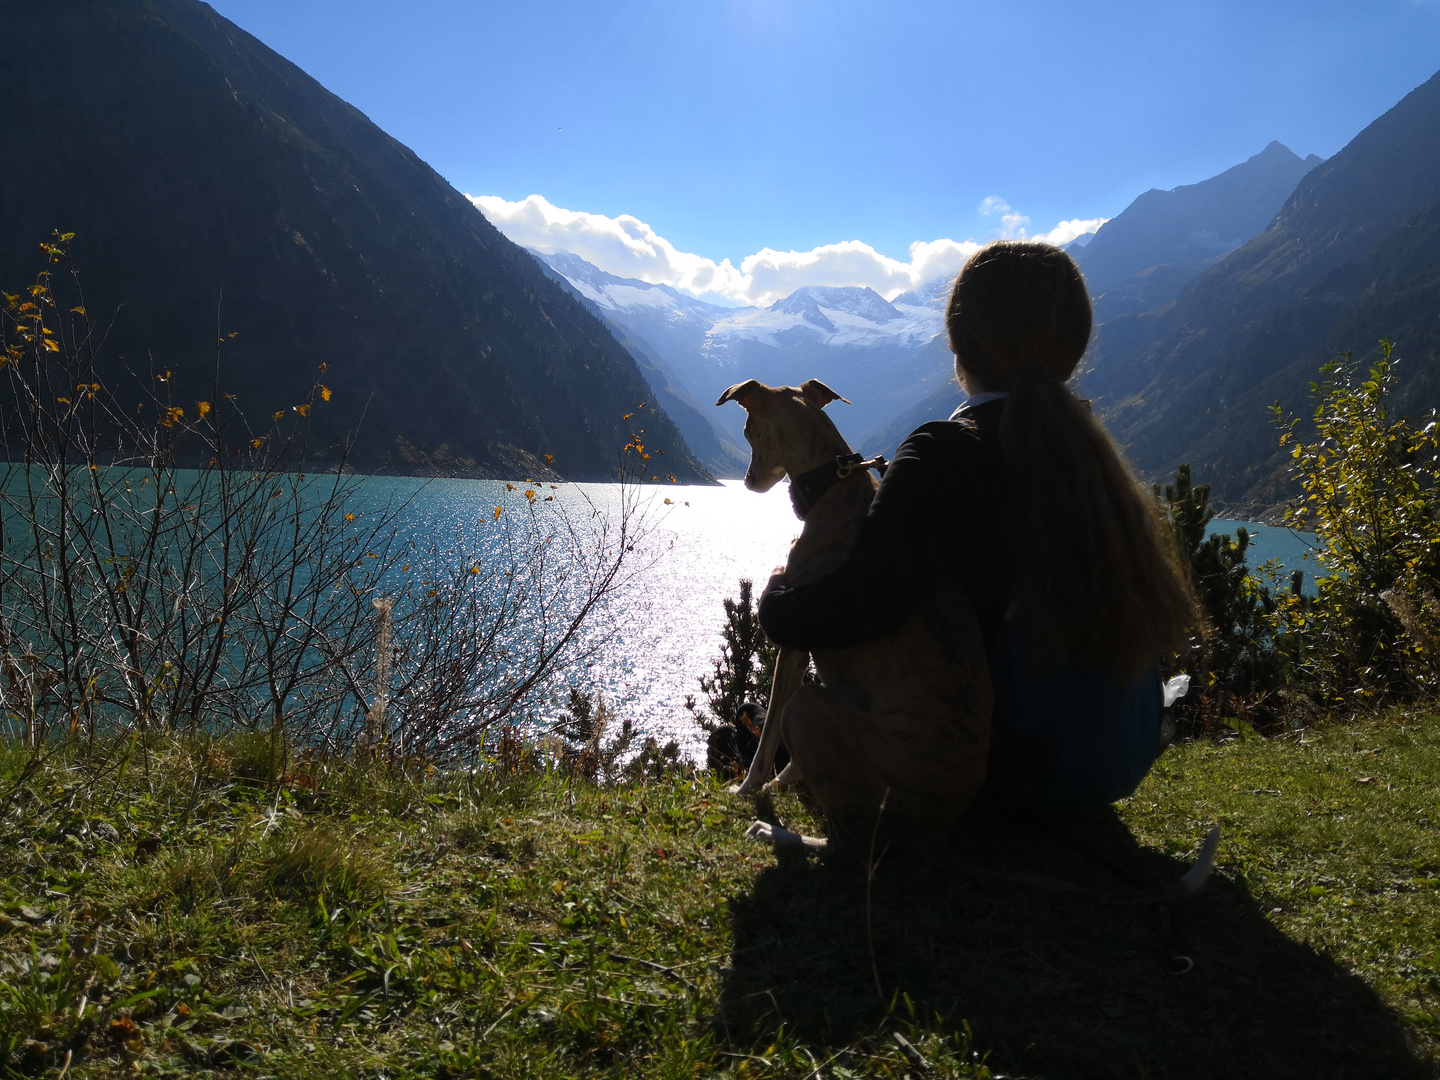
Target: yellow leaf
x=349, y=517
x=203, y=407
x=669, y=502
x=303, y=410
x=255, y=443
x=63, y=400
x=50, y=345
x=324, y=393
x=78, y=310
x=644, y=457
x=509, y=487
x=497, y=514
x=278, y=415
x=549, y=458
x=530, y=495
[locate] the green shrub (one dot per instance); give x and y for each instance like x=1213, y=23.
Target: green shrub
x=1369, y=491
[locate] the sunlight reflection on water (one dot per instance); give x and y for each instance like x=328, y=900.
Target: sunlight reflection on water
x=664, y=626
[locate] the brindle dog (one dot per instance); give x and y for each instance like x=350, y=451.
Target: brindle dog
x=892, y=743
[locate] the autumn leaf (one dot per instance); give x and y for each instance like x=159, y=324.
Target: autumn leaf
x=549, y=459
x=78, y=310
x=644, y=457
x=278, y=415
x=303, y=410
x=530, y=495
x=669, y=502
x=498, y=512
x=509, y=487
x=349, y=517
x=202, y=407
x=63, y=400
x=51, y=345
x=324, y=393
x=255, y=443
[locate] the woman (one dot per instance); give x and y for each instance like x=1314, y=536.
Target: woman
x=1022, y=497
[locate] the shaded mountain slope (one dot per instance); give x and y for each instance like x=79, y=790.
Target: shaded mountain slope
x=192, y=163
x=1141, y=258
x=1351, y=257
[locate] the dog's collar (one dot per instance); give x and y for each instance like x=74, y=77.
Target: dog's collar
x=807, y=488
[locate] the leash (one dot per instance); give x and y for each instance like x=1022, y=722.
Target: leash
x=807, y=488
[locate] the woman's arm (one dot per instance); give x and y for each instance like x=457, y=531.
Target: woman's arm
x=885, y=575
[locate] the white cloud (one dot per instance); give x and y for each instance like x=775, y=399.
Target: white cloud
x=1068, y=230
x=627, y=247
x=1012, y=223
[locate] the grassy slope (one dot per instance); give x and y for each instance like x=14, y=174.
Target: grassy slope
x=523, y=925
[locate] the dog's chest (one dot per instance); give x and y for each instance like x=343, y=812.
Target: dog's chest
x=830, y=530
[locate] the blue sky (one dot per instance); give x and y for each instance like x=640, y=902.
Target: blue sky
x=729, y=127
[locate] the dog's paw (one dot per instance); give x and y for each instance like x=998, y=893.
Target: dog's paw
x=762, y=831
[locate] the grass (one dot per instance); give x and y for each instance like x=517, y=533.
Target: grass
x=181, y=916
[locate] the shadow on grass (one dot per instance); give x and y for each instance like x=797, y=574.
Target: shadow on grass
x=1053, y=985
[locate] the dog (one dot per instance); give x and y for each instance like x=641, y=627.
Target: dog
x=892, y=743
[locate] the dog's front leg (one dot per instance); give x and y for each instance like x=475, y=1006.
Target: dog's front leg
x=790, y=668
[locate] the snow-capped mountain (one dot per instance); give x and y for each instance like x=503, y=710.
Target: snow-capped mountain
x=883, y=356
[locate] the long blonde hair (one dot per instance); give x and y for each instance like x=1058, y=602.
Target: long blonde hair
x=1098, y=578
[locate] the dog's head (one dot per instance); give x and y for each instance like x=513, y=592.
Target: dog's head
x=784, y=425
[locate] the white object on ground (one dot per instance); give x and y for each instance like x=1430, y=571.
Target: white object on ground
x=1176, y=688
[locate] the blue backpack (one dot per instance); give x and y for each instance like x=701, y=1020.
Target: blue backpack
x=1068, y=737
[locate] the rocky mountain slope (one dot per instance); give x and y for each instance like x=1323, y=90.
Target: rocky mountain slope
x=1352, y=256
x=198, y=169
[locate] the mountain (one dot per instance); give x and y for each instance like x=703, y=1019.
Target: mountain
x=1353, y=255
x=198, y=169
x=1143, y=256
x=882, y=355
x=719, y=453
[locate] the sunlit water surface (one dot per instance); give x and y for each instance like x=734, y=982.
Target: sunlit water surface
x=663, y=631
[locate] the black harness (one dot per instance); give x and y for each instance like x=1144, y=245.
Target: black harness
x=807, y=488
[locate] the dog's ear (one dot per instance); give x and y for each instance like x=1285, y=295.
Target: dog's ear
x=741, y=392
x=818, y=394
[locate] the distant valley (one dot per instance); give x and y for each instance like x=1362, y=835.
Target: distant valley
x=881, y=355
